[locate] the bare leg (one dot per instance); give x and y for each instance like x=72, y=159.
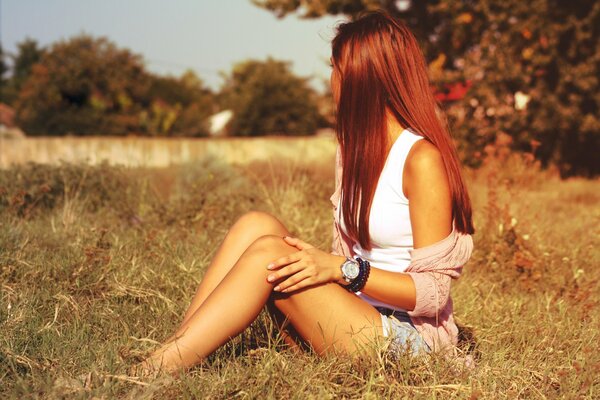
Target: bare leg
x=331, y=319
x=242, y=234
x=287, y=332
x=249, y=227
x=228, y=310
x=240, y=297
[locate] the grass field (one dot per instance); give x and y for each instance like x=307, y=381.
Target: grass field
x=97, y=265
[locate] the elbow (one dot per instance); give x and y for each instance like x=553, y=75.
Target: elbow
x=432, y=296
x=430, y=307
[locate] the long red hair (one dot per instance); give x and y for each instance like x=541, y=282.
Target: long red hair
x=380, y=65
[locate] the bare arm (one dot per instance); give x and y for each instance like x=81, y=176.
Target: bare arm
x=425, y=184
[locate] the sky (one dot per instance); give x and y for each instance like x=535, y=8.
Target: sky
x=207, y=36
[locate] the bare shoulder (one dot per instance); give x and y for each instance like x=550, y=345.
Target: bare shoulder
x=424, y=165
x=425, y=184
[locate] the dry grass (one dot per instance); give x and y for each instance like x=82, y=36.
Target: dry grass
x=98, y=263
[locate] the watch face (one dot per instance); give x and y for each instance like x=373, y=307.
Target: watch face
x=351, y=269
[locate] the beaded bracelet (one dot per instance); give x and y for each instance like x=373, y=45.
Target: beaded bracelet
x=359, y=282
x=361, y=279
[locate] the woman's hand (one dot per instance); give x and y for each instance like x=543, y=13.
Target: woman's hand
x=307, y=267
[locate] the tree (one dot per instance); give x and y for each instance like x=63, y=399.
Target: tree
x=28, y=54
x=3, y=65
x=533, y=69
x=266, y=98
x=88, y=86
x=83, y=86
x=415, y=13
x=193, y=118
x=3, y=71
x=191, y=103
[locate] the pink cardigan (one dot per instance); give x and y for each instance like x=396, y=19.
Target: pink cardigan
x=431, y=267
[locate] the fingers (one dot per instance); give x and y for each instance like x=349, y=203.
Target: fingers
x=285, y=260
x=285, y=271
x=301, y=245
x=297, y=270
x=294, y=282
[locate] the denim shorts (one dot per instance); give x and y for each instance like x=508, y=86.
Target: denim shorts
x=404, y=336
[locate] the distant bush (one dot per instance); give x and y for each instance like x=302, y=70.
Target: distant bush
x=266, y=98
x=31, y=189
x=134, y=196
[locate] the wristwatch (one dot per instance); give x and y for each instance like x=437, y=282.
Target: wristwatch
x=350, y=269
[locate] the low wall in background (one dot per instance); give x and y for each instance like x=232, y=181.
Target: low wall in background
x=162, y=152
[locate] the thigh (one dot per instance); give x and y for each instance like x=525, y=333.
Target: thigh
x=332, y=319
x=243, y=233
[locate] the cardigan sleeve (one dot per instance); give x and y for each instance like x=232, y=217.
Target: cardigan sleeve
x=433, y=293
x=336, y=246
x=433, y=267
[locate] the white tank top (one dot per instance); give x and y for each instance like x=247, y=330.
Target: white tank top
x=389, y=220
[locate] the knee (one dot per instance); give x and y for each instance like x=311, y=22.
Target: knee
x=265, y=249
x=266, y=244
x=259, y=221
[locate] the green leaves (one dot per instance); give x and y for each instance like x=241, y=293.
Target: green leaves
x=543, y=49
x=89, y=86
x=266, y=98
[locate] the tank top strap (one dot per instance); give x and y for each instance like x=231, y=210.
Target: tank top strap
x=406, y=141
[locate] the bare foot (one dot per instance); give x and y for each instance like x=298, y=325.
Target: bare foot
x=149, y=368
x=157, y=364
